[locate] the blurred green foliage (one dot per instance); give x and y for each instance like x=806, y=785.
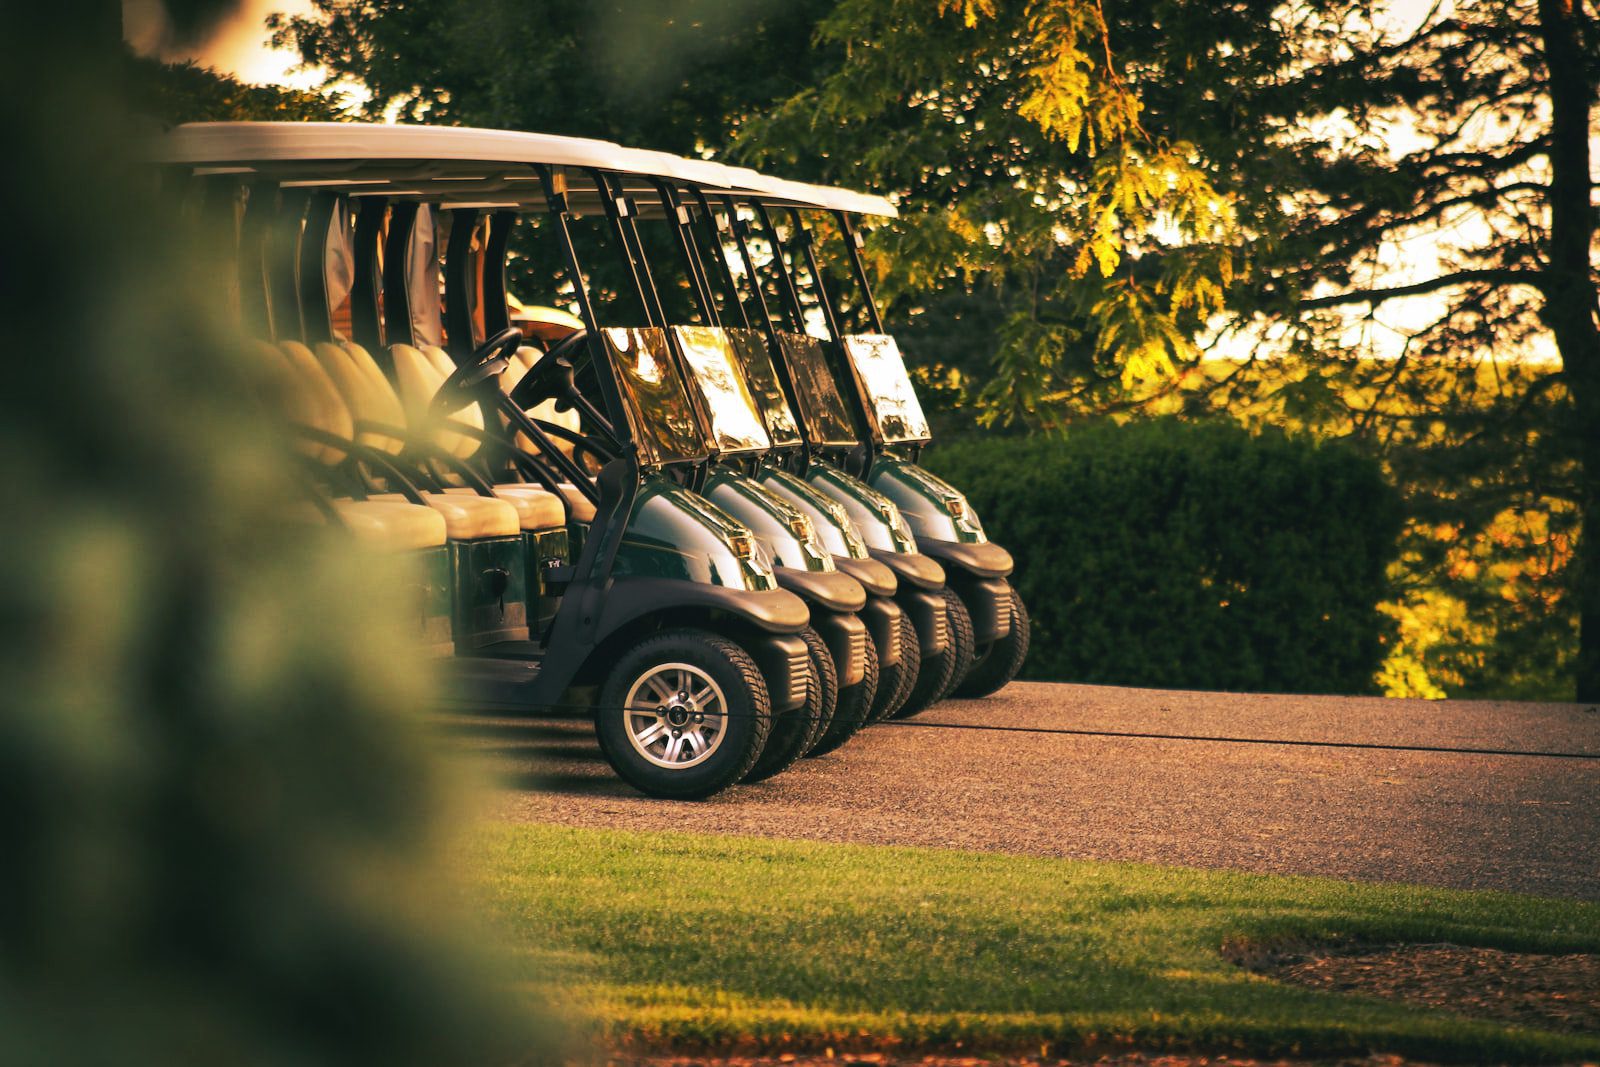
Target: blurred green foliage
x=221, y=816
x=1176, y=555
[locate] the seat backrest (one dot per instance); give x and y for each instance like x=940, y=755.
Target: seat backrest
x=420, y=372
x=365, y=391
x=313, y=397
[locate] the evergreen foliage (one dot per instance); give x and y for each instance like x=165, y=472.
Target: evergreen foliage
x=1174, y=555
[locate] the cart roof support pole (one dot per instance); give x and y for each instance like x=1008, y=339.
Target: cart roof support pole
x=254, y=307
x=715, y=250
x=739, y=228
x=459, y=276
x=366, y=320
x=555, y=195
x=678, y=218
x=791, y=295
x=853, y=243
x=807, y=243
x=281, y=241
x=496, y=315
x=617, y=208
x=396, y=275
x=315, y=314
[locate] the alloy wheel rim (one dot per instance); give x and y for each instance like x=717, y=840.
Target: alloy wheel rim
x=675, y=715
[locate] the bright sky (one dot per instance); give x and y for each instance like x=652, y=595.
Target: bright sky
x=239, y=47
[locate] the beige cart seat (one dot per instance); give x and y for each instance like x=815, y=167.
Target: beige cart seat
x=365, y=392
x=421, y=372
x=393, y=526
x=361, y=386
x=312, y=400
x=468, y=517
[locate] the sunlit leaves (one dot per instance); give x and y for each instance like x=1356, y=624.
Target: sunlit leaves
x=1022, y=169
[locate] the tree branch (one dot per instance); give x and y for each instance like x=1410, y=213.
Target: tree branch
x=1497, y=276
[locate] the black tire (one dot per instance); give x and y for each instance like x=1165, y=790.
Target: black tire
x=993, y=670
x=854, y=709
x=745, y=724
x=895, y=683
x=794, y=733
x=961, y=641
x=939, y=674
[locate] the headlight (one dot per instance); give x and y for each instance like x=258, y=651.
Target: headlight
x=957, y=506
x=743, y=545
x=800, y=526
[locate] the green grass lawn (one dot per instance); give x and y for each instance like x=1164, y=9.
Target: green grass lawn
x=689, y=941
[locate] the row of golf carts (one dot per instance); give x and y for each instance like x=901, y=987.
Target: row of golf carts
x=693, y=511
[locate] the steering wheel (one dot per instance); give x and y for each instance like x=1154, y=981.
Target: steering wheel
x=554, y=363
x=487, y=360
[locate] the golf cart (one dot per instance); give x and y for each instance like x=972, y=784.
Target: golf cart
x=989, y=623
x=712, y=422
x=668, y=626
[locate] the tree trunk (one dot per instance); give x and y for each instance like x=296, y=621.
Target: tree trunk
x=1572, y=302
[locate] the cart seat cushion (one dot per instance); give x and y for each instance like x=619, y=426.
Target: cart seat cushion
x=319, y=403
x=420, y=372
x=392, y=526
x=582, y=509
x=370, y=400
x=538, y=509
x=468, y=518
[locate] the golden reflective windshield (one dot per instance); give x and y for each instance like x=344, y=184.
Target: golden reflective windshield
x=821, y=406
x=664, y=424
x=750, y=347
x=881, y=372
x=735, y=423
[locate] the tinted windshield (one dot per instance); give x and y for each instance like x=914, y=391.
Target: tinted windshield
x=735, y=423
x=750, y=347
x=880, y=370
x=821, y=406
x=663, y=422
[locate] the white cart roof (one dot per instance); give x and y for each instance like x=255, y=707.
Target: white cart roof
x=462, y=166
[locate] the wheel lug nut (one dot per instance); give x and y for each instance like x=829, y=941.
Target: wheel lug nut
x=676, y=733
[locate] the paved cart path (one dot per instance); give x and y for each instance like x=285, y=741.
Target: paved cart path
x=1525, y=823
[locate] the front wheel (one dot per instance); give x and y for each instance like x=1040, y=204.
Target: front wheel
x=684, y=715
x=1000, y=662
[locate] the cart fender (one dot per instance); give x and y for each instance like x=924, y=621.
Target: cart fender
x=882, y=617
x=774, y=611
x=875, y=578
x=927, y=615
x=988, y=601
x=593, y=613
x=785, y=664
x=911, y=568
x=829, y=590
x=982, y=559
x=846, y=637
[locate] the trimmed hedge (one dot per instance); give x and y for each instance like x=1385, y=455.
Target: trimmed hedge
x=1190, y=555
